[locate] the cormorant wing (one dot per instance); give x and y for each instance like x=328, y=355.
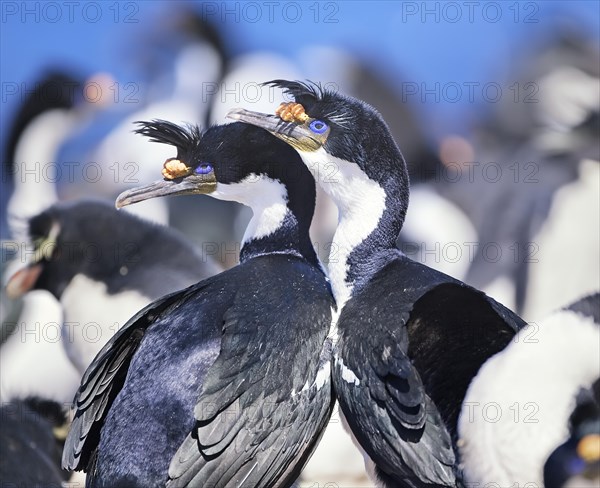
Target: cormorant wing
x=105, y=377
x=384, y=402
x=410, y=343
x=263, y=406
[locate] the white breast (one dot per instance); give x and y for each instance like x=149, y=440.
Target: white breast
x=92, y=316
x=33, y=360
x=566, y=258
x=516, y=410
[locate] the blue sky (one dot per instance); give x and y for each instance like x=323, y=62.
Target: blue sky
x=424, y=42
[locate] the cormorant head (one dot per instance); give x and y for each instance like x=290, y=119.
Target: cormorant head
x=338, y=137
x=78, y=237
x=236, y=162
x=92, y=238
x=577, y=461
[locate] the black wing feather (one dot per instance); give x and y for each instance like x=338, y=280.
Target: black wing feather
x=390, y=413
x=412, y=340
x=105, y=377
x=258, y=421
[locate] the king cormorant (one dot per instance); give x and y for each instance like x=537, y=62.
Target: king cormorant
x=519, y=406
x=225, y=383
x=103, y=266
x=409, y=339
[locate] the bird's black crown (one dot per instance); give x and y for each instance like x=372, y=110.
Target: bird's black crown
x=358, y=132
x=186, y=139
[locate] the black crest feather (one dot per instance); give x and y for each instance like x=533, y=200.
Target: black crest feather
x=184, y=138
x=299, y=89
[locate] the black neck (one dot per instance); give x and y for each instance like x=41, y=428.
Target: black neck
x=289, y=238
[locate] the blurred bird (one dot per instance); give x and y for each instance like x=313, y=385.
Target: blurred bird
x=238, y=361
x=30, y=443
x=546, y=204
x=49, y=115
x=198, y=61
x=408, y=339
x=518, y=407
x=33, y=360
x=103, y=266
x=576, y=462
x=532, y=164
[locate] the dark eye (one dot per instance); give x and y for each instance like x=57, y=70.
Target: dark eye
x=318, y=126
x=204, y=169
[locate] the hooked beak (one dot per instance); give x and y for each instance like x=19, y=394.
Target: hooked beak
x=190, y=185
x=296, y=134
x=23, y=274
x=22, y=278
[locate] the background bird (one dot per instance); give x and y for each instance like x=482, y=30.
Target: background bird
x=576, y=462
x=518, y=406
x=31, y=440
x=30, y=172
x=46, y=119
x=103, y=266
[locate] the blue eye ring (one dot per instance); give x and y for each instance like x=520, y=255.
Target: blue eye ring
x=318, y=126
x=203, y=169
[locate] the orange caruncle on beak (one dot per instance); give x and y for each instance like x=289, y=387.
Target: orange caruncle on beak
x=174, y=168
x=291, y=112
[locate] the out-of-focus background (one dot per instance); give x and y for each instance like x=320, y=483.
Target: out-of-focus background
x=494, y=104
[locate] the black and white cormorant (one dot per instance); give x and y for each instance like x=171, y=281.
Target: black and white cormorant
x=103, y=266
x=518, y=408
x=409, y=339
x=545, y=206
x=47, y=117
x=576, y=462
x=32, y=355
x=226, y=383
x=188, y=48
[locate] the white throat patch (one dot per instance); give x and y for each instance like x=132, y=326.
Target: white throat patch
x=360, y=202
x=267, y=198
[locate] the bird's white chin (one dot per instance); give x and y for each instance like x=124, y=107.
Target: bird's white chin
x=267, y=199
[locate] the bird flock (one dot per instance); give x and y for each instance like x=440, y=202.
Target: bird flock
x=173, y=368
x=231, y=380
